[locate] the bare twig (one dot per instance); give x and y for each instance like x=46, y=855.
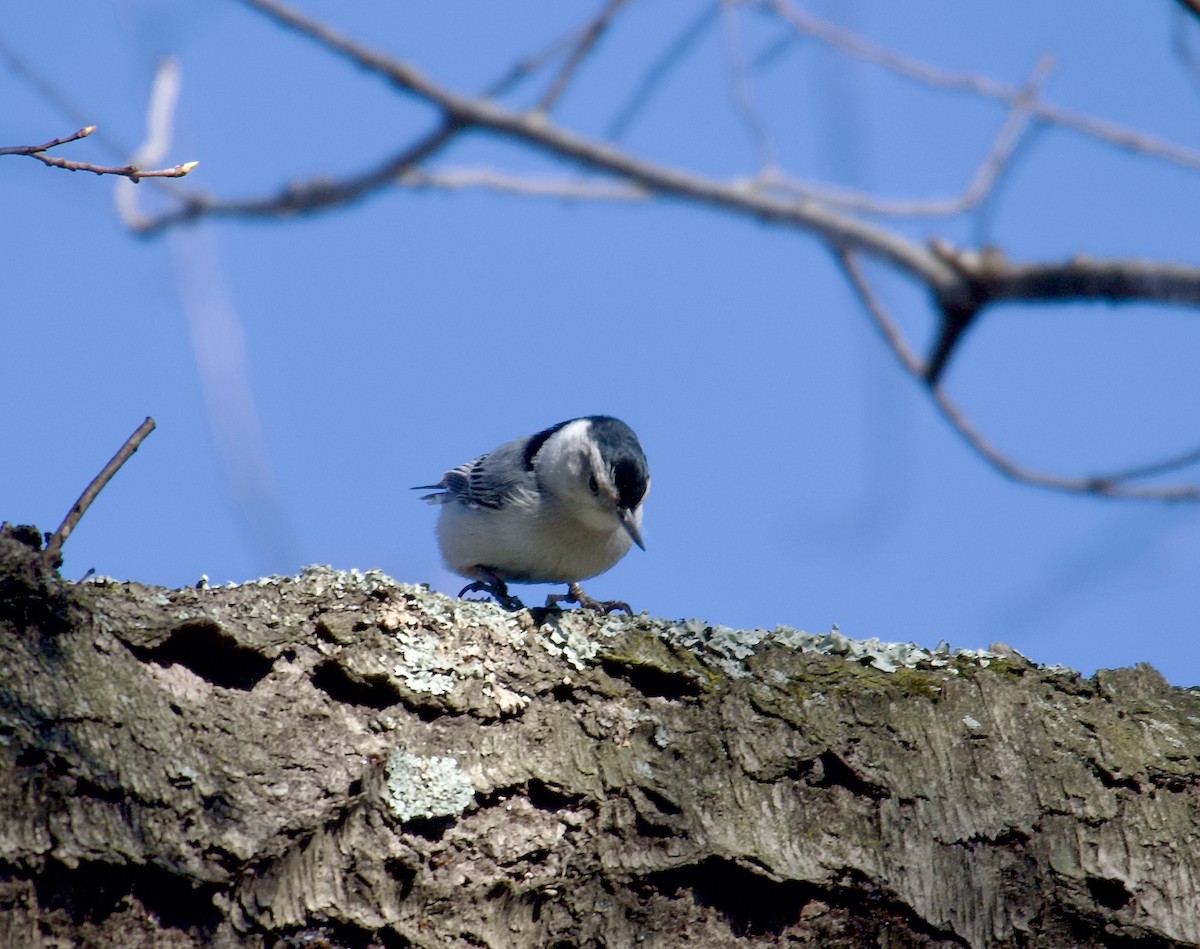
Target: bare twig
x=1162, y=466
x=34, y=149
x=855, y=45
x=1113, y=485
x=879, y=316
x=588, y=39
x=132, y=172
x=580, y=189
x=53, y=552
x=49, y=90
x=1105, y=485
x=302, y=197
x=981, y=185
x=660, y=69
x=524, y=68
x=743, y=92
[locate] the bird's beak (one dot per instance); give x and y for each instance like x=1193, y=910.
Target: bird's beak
x=629, y=522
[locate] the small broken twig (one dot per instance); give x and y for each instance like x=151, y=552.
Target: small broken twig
x=132, y=172
x=52, y=555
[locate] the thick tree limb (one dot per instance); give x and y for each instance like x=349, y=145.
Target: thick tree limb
x=338, y=759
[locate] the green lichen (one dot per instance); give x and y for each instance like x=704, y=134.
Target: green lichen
x=426, y=787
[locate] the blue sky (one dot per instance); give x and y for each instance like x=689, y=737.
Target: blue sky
x=305, y=373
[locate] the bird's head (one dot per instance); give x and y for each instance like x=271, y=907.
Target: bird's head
x=595, y=467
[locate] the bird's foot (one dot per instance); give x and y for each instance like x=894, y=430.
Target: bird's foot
x=575, y=594
x=496, y=589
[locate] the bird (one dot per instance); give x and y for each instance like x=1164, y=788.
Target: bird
x=559, y=506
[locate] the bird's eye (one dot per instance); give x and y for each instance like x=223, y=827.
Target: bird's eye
x=592, y=485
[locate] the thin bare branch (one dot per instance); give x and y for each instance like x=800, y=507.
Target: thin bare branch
x=1164, y=466
x=524, y=68
x=535, y=130
x=879, y=316
x=855, y=45
x=49, y=90
x=950, y=275
x=53, y=552
x=981, y=185
x=771, y=180
x=34, y=149
x=743, y=90
x=577, y=189
x=588, y=39
x=302, y=197
x=1114, y=485
x=654, y=77
x=132, y=172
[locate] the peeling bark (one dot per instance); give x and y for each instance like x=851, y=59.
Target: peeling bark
x=340, y=760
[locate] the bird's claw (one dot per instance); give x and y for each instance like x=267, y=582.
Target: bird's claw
x=575, y=594
x=496, y=590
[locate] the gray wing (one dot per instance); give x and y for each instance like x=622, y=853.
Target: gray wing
x=491, y=480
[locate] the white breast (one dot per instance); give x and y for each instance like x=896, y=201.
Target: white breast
x=527, y=543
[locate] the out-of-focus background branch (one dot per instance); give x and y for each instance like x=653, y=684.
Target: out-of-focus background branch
x=972, y=283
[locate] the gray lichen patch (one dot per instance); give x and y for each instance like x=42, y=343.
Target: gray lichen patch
x=574, y=636
x=426, y=787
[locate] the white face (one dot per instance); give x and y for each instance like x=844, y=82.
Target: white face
x=571, y=467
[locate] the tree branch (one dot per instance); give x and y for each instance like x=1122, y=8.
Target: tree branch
x=990, y=279
x=132, y=172
x=660, y=68
x=962, y=282
x=852, y=44
x=301, y=197
x=53, y=553
x=1111, y=485
x=535, y=130
x=743, y=90
x=945, y=273
x=983, y=182
x=588, y=39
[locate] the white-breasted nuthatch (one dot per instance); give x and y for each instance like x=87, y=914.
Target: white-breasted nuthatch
x=556, y=507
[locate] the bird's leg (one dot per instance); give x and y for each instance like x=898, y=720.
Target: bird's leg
x=575, y=594
x=494, y=587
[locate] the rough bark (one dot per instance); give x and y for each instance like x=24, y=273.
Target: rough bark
x=340, y=760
